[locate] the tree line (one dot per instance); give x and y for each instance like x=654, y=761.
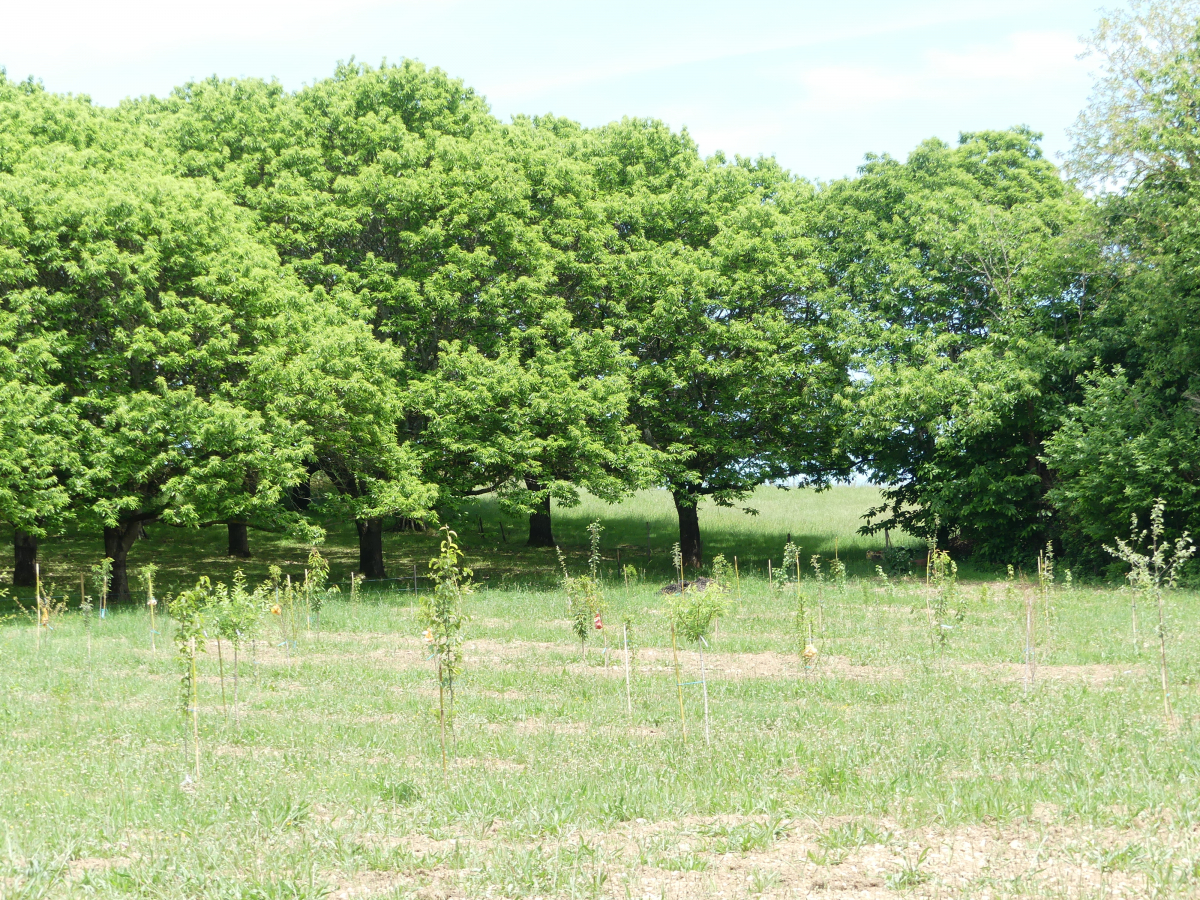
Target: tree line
x=210, y=299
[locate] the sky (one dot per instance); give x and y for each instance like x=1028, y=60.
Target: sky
x=816, y=84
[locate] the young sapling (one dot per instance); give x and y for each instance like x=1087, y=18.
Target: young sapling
x=188, y=609
x=147, y=576
x=1151, y=573
x=693, y=615
x=441, y=613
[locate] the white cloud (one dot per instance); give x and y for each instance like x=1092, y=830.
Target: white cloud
x=1024, y=57
x=1019, y=62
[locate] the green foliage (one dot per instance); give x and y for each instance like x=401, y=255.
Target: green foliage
x=949, y=607
x=721, y=571
x=694, y=612
x=791, y=563
x=898, y=560
x=967, y=269
x=189, y=609
x=1159, y=566
x=441, y=610
x=585, y=598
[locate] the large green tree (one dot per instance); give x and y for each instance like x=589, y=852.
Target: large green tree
x=969, y=270
x=38, y=434
x=711, y=284
x=1135, y=434
x=149, y=294
x=397, y=186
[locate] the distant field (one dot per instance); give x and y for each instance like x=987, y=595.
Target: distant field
x=815, y=521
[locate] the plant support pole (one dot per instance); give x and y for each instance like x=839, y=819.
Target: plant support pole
x=704, y=685
x=195, y=709
x=1030, y=672
x=678, y=683
x=628, y=694
x=37, y=601
x=1162, y=659
x=442, y=713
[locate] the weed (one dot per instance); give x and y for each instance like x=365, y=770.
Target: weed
x=910, y=874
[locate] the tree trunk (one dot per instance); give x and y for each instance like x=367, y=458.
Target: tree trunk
x=686, y=506
x=239, y=540
x=117, y=543
x=25, y=553
x=370, y=548
x=298, y=497
x=540, y=534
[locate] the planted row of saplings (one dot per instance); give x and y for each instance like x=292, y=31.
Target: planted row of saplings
x=235, y=614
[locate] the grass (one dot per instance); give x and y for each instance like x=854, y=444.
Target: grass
x=814, y=520
x=894, y=765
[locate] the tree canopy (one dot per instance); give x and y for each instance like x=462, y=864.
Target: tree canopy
x=211, y=298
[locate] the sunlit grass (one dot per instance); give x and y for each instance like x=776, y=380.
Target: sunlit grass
x=332, y=780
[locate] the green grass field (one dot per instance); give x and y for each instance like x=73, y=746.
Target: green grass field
x=893, y=765
x=499, y=556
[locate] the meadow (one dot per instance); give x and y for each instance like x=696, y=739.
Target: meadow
x=916, y=754
x=495, y=541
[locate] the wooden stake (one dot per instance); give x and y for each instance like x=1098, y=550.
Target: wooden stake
x=1030, y=663
x=628, y=693
x=442, y=713
x=195, y=710
x=678, y=683
x=737, y=580
x=235, y=679
x=150, y=601
x=1162, y=658
x=221, y=664
x=37, y=600
x=770, y=576
x=704, y=685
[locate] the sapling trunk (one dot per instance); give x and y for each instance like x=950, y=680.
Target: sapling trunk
x=1030, y=664
x=678, y=683
x=1136, y=643
x=235, y=682
x=37, y=602
x=221, y=669
x=83, y=602
x=442, y=713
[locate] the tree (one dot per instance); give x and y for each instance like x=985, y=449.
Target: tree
x=547, y=415
x=1133, y=435
x=967, y=269
x=326, y=371
x=712, y=285
x=38, y=435
x=397, y=186
x=147, y=292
